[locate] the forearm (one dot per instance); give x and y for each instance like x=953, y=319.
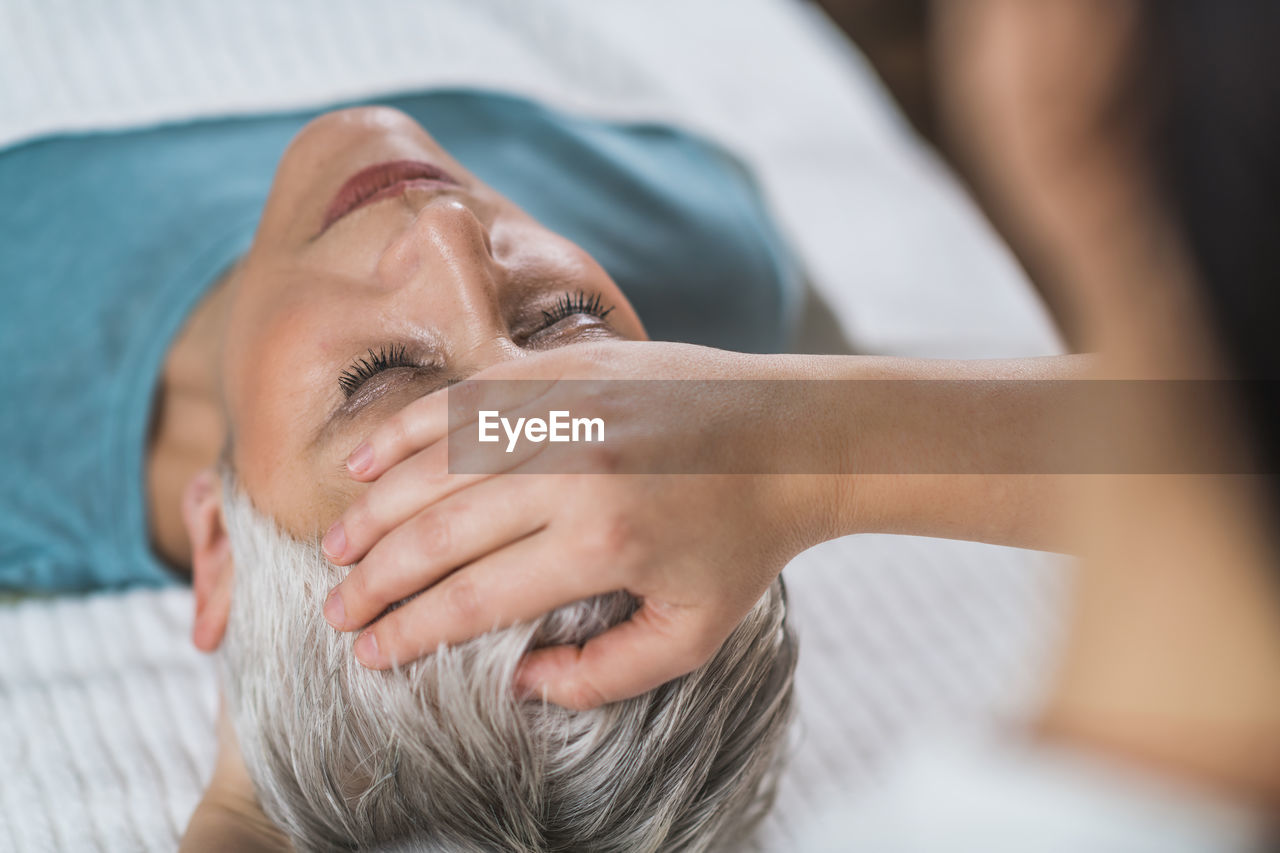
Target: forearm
x=955, y=449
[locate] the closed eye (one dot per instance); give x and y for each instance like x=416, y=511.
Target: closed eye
x=576, y=303
x=374, y=362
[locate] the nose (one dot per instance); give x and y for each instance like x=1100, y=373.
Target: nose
x=447, y=284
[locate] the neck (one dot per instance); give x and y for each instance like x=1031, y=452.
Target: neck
x=188, y=424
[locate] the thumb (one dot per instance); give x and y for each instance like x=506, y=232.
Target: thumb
x=657, y=644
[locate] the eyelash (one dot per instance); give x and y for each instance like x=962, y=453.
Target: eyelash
x=367, y=366
x=397, y=355
x=576, y=303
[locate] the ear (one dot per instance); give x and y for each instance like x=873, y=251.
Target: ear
x=211, y=563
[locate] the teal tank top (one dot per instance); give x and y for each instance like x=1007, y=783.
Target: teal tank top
x=101, y=262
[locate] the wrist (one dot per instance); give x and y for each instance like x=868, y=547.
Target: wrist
x=929, y=448
x=804, y=438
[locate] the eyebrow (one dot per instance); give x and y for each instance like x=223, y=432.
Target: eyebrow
x=432, y=377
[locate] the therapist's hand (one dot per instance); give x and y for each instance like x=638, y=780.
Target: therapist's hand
x=484, y=550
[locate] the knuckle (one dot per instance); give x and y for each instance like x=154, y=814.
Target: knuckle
x=434, y=534
x=464, y=398
x=613, y=536
x=582, y=695
x=359, y=516
x=395, y=431
x=399, y=432
x=461, y=600
x=393, y=639
x=355, y=589
x=386, y=504
x=374, y=578
x=432, y=467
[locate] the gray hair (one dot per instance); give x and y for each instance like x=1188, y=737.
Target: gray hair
x=441, y=755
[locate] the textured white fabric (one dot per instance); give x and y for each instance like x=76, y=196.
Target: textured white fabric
x=888, y=238
x=108, y=711
x=107, y=714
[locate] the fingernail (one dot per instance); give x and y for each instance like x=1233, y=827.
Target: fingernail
x=335, y=541
x=360, y=459
x=367, y=649
x=334, y=612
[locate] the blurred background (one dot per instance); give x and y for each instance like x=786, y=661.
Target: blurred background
x=894, y=35
x=906, y=42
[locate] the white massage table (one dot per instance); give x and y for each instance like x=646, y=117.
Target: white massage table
x=106, y=712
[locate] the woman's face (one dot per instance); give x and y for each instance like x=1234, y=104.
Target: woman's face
x=366, y=289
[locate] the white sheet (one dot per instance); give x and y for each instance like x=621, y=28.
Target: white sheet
x=107, y=711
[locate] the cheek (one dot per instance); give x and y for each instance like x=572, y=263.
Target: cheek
x=303, y=495
x=270, y=475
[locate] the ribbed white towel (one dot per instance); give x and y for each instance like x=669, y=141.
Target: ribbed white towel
x=107, y=710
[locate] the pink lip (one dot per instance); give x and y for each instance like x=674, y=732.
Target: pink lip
x=383, y=180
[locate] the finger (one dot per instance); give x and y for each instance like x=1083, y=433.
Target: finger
x=646, y=651
x=419, y=424
x=429, y=419
x=451, y=533
x=508, y=586
x=404, y=490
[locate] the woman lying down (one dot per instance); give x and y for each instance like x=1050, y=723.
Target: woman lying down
x=264, y=334
x=380, y=269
